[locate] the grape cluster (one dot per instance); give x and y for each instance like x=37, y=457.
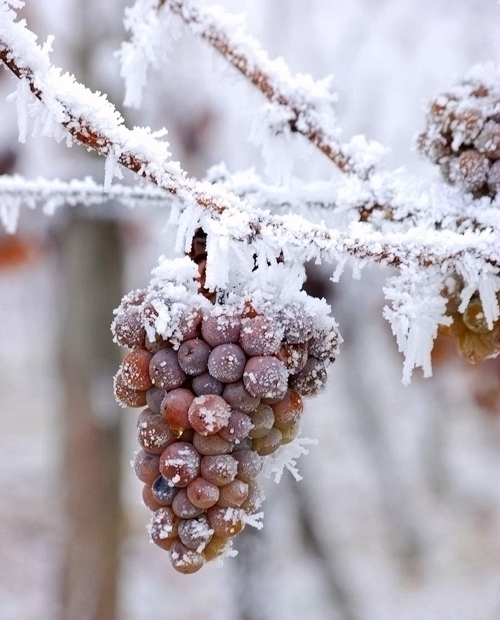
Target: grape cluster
x=222, y=385
x=473, y=337
x=462, y=134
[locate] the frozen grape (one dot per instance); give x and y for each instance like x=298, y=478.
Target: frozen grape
x=153, y=345
x=163, y=525
x=190, y=324
x=220, y=329
x=148, y=499
x=195, y=533
x=202, y=493
x=126, y=396
x=249, y=464
x=220, y=469
x=289, y=410
x=245, y=444
x=260, y=335
x=152, y=432
x=474, y=317
x=262, y=419
x=163, y=492
x=210, y=445
x=297, y=324
x=323, y=346
x=206, y=384
x=174, y=409
x=185, y=560
x=180, y=463
x=226, y=522
x=208, y=414
x=193, y=356
x=255, y=497
x=183, y=507
x=311, y=379
x=128, y=328
x=232, y=495
x=289, y=433
x=135, y=369
x=154, y=396
x=146, y=466
x=294, y=356
x=165, y=370
x=265, y=377
x=216, y=547
x=239, y=398
x=237, y=428
x=269, y=443
x=226, y=362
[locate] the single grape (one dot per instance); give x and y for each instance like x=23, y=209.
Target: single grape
x=227, y=362
x=260, y=335
x=148, y=499
x=152, y=432
x=174, y=409
x=208, y=414
x=269, y=443
x=238, y=427
x=220, y=329
x=239, y=398
x=180, y=463
x=226, y=522
x=195, y=533
x=128, y=329
x=153, y=345
x=146, y=466
x=220, y=469
x=255, y=497
x=163, y=492
x=290, y=433
x=165, y=370
x=126, y=396
x=163, y=525
x=210, y=445
x=202, y=493
x=154, y=396
x=249, y=464
x=297, y=324
x=184, y=560
x=206, y=384
x=294, y=356
x=289, y=410
x=183, y=507
x=265, y=377
x=216, y=547
x=311, y=379
x=193, y=356
x=232, y=495
x=190, y=324
x=262, y=419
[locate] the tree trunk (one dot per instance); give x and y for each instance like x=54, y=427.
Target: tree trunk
x=92, y=274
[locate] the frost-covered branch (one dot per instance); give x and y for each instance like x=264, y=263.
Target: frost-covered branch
x=298, y=103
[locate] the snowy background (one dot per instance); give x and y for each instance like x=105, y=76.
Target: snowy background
x=397, y=517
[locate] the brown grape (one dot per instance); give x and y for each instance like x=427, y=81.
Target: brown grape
x=180, y=463
x=183, y=507
x=163, y=492
x=474, y=317
x=289, y=433
x=193, y=356
x=152, y=432
x=216, y=547
x=232, y=495
x=269, y=443
x=220, y=469
x=294, y=356
x=195, y=533
x=260, y=335
x=174, y=409
x=227, y=362
x=202, y=493
x=208, y=414
x=128, y=329
x=237, y=428
x=220, y=329
x=135, y=369
x=263, y=421
x=163, y=525
x=165, y=370
x=185, y=560
x=148, y=499
x=210, y=445
x=126, y=396
x=226, y=522
x=289, y=410
x=146, y=466
x=255, y=497
x=311, y=379
x=239, y=398
x=249, y=464
x=265, y=377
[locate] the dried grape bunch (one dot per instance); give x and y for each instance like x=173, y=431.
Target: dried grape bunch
x=223, y=384
x=462, y=134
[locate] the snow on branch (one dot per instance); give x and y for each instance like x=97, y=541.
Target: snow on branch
x=17, y=192
x=298, y=103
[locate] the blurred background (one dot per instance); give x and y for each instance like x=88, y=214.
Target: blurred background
x=397, y=517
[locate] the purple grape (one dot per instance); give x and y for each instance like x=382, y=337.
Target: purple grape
x=220, y=469
x=163, y=492
x=195, y=533
x=249, y=464
x=260, y=335
x=208, y=414
x=311, y=379
x=227, y=362
x=265, y=377
x=211, y=445
x=220, y=329
x=165, y=371
x=152, y=432
x=183, y=507
x=180, y=463
x=238, y=427
x=202, y=493
x=193, y=356
x=206, y=384
x=146, y=466
x=154, y=396
x=239, y=398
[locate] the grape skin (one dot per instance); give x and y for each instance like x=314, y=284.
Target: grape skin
x=220, y=329
x=210, y=445
x=227, y=362
x=209, y=414
x=193, y=356
x=237, y=428
x=152, y=432
x=185, y=560
x=174, y=409
x=195, y=533
x=126, y=396
x=146, y=466
x=165, y=370
x=154, y=396
x=249, y=464
x=163, y=493
x=232, y=495
x=226, y=522
x=135, y=369
x=269, y=443
x=180, y=463
x=262, y=419
x=289, y=410
x=183, y=507
x=220, y=469
x=205, y=384
x=202, y=493
x=239, y=398
x=260, y=335
x=265, y=377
